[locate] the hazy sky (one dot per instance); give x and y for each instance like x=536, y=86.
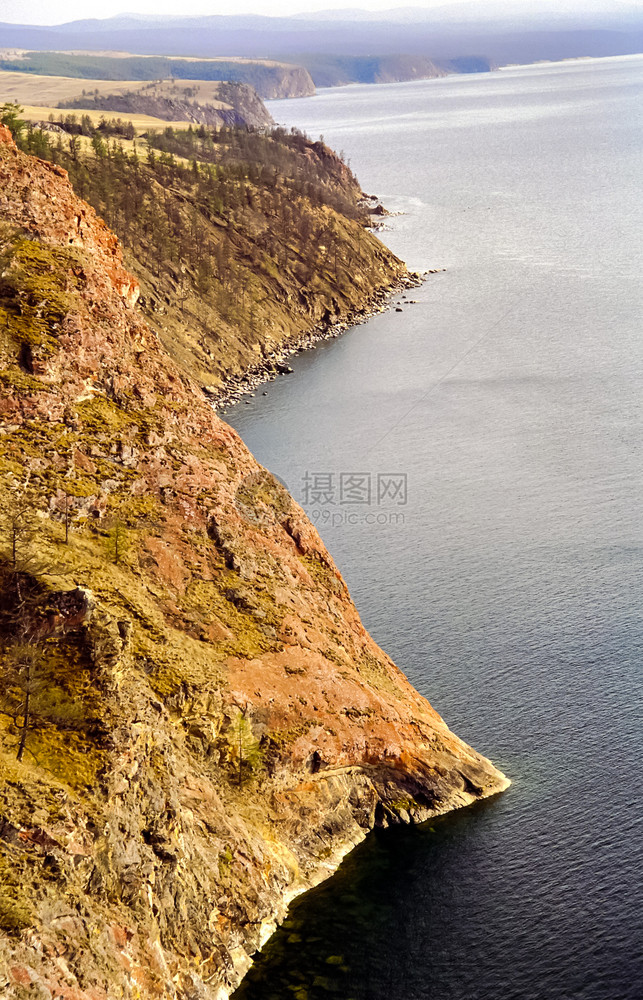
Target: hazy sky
x=59, y=11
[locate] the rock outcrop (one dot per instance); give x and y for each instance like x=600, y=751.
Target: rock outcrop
x=212, y=728
x=238, y=104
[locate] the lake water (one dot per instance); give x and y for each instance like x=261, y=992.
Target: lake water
x=499, y=420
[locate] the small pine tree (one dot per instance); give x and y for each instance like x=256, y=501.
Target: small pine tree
x=30, y=695
x=118, y=542
x=23, y=662
x=69, y=513
x=10, y=117
x=245, y=750
x=19, y=528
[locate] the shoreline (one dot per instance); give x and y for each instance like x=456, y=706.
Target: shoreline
x=275, y=364
x=328, y=867
x=450, y=75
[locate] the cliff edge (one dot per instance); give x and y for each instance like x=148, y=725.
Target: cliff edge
x=194, y=724
x=247, y=244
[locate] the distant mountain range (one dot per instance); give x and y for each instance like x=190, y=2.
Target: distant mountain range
x=502, y=32
x=510, y=13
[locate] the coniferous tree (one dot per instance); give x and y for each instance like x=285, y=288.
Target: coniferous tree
x=245, y=747
x=23, y=665
x=10, y=117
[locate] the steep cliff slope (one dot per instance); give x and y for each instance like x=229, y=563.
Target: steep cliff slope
x=328, y=70
x=194, y=723
x=243, y=242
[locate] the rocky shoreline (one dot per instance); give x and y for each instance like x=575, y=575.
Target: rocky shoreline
x=325, y=868
x=276, y=363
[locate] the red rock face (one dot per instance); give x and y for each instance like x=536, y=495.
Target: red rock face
x=34, y=199
x=189, y=830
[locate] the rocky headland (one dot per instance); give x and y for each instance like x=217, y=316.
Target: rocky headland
x=194, y=724
x=234, y=104
x=247, y=245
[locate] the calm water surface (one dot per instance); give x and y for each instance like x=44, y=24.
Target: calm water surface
x=509, y=584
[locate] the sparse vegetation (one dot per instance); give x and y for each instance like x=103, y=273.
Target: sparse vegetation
x=15, y=914
x=37, y=284
x=241, y=238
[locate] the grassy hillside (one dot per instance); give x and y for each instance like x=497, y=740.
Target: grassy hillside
x=242, y=241
x=202, y=101
x=269, y=78
x=314, y=69
x=141, y=124
x=43, y=89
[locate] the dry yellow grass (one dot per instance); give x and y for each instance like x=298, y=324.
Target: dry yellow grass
x=47, y=91
x=36, y=113
x=40, y=96
x=30, y=88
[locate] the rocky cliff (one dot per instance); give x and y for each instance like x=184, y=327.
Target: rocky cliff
x=206, y=727
x=328, y=70
x=245, y=243
x=236, y=104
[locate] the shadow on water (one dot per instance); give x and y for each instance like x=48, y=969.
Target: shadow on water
x=456, y=909
x=391, y=893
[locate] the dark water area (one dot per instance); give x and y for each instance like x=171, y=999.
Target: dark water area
x=474, y=464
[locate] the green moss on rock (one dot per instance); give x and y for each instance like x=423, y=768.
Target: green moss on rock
x=15, y=914
x=37, y=291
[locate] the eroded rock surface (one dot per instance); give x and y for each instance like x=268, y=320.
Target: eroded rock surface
x=223, y=728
